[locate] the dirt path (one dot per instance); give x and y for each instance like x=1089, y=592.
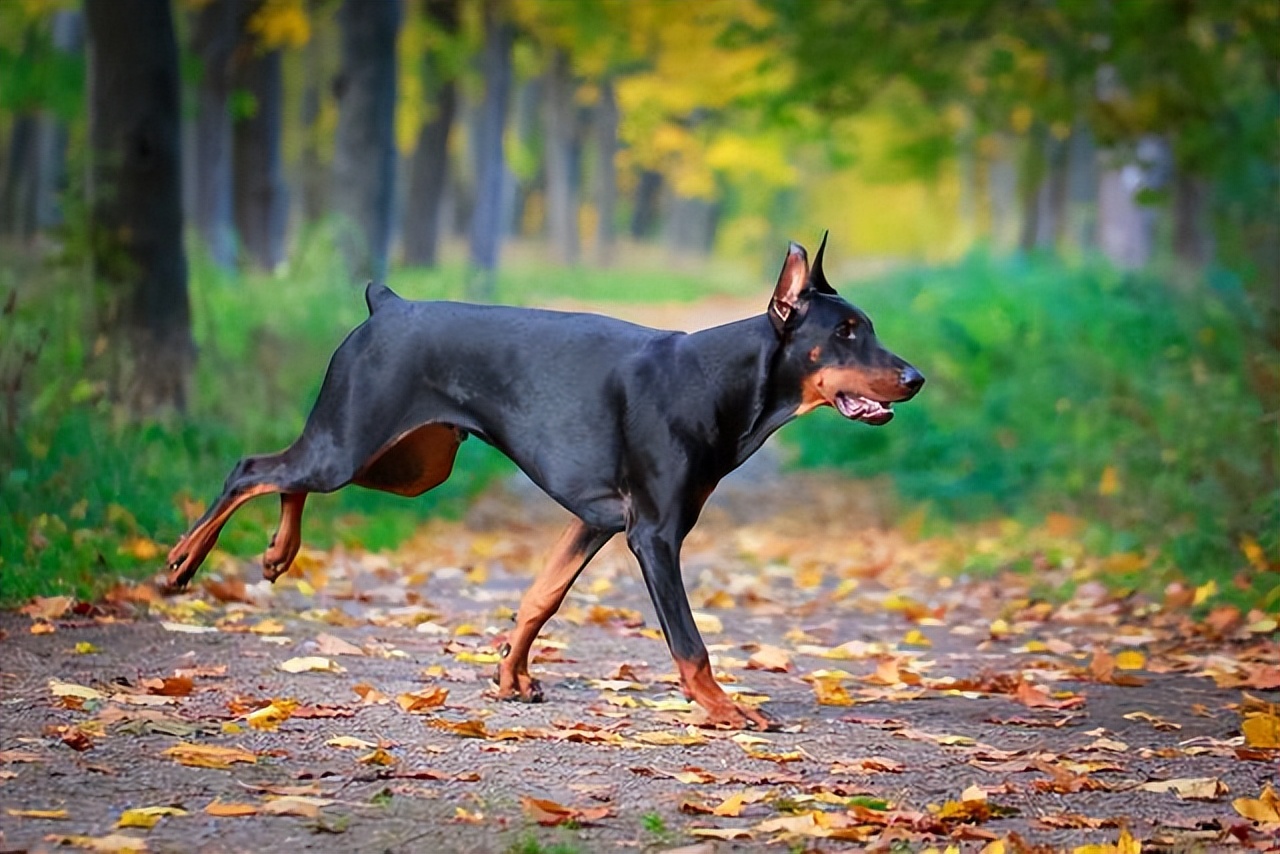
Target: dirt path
x=917, y=710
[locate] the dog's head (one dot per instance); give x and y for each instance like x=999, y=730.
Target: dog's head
x=841, y=362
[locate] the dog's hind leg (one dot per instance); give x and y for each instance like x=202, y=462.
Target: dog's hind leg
x=570, y=555
x=287, y=539
x=246, y=481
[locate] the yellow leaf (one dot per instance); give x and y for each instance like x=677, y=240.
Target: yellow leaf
x=1254, y=554
x=268, y=627
x=1205, y=592
x=770, y=658
x=146, y=817
x=298, y=805
x=1131, y=659
x=208, y=755
x=1262, y=730
x=270, y=717
x=478, y=657
x=1194, y=788
x=689, y=736
x=831, y=693
x=55, y=815
x=114, y=843
x=86, y=648
x=1264, y=809
x=378, y=756
x=1110, y=482
x=915, y=637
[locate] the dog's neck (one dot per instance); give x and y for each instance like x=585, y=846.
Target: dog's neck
x=763, y=390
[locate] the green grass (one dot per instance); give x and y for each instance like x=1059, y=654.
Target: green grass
x=1043, y=376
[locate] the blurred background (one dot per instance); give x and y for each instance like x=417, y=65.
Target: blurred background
x=1065, y=212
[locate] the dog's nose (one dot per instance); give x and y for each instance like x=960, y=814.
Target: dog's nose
x=911, y=379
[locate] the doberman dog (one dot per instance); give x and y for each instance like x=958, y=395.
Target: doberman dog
x=629, y=428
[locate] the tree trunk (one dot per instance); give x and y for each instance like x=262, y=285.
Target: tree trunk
x=216, y=32
x=1192, y=235
x=18, y=195
x=135, y=201
x=364, y=158
x=1031, y=178
x=428, y=173
x=1051, y=201
x=561, y=137
x=1082, y=188
x=312, y=182
x=691, y=225
x=487, y=219
x=644, y=213
x=1002, y=196
x=606, y=127
x=261, y=200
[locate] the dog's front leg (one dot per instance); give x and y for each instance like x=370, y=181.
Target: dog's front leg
x=658, y=551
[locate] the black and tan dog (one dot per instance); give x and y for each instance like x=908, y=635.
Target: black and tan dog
x=627, y=427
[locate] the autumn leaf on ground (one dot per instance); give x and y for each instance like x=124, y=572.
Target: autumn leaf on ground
x=467, y=729
x=269, y=718
x=378, y=756
x=350, y=742
x=866, y=765
x=549, y=813
x=48, y=607
x=419, y=702
x=71, y=689
x=830, y=692
x=208, y=755
x=306, y=663
x=55, y=815
x=770, y=658
x=170, y=686
x=369, y=695
x=231, y=810
x=327, y=644
x=147, y=817
x=115, y=843
x=1264, y=809
x=1194, y=788
x=1159, y=723
x=1261, y=724
x=668, y=737
x=1126, y=844
x=298, y=805
x=1037, y=697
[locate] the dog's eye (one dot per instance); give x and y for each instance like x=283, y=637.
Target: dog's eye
x=848, y=329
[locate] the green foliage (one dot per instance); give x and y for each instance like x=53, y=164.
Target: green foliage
x=1075, y=390
x=528, y=843
x=653, y=823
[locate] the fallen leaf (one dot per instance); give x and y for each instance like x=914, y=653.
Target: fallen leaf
x=307, y=663
x=1261, y=730
x=231, y=810
x=48, y=607
x=115, y=843
x=147, y=817
x=297, y=805
x=830, y=692
x=71, y=689
x=173, y=686
x=1264, y=809
x=350, y=742
x=379, y=756
x=549, y=813
x=208, y=755
x=1193, y=788
x=269, y=718
x=422, y=701
x=53, y=815
x=770, y=658
x=327, y=644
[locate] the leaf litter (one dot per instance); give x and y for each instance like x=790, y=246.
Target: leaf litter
x=905, y=693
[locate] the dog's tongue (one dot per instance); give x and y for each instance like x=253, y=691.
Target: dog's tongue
x=862, y=409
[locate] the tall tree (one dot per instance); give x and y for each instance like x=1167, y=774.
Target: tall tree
x=487, y=218
x=563, y=144
x=424, y=205
x=135, y=201
x=216, y=32
x=364, y=158
x=261, y=200
x=606, y=184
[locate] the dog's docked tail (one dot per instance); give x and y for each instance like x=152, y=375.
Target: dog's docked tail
x=377, y=295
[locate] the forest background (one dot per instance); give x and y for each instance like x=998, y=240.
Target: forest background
x=1066, y=212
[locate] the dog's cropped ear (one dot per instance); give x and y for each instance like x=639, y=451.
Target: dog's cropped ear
x=816, y=277
x=789, y=298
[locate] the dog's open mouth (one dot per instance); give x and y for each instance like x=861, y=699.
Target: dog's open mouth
x=864, y=409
